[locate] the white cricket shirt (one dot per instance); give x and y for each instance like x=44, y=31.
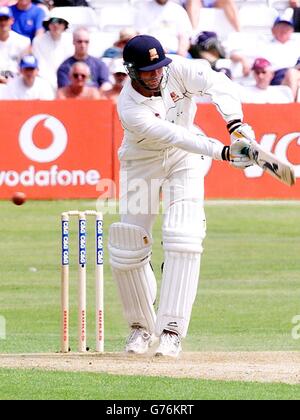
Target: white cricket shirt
x=12, y=50
x=16, y=89
x=152, y=125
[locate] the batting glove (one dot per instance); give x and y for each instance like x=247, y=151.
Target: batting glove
x=238, y=130
x=242, y=132
x=238, y=154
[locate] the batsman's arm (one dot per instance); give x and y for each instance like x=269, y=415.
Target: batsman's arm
x=148, y=131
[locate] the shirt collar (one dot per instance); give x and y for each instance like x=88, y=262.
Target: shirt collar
x=136, y=96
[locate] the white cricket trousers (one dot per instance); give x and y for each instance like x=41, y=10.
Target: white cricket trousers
x=176, y=178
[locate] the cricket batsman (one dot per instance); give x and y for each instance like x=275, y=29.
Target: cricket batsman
x=163, y=151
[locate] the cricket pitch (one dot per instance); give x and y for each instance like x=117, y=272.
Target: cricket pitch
x=267, y=367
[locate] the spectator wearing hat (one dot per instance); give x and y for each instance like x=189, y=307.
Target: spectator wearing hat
x=52, y=48
x=120, y=77
x=282, y=50
x=28, y=19
x=12, y=46
x=166, y=21
x=28, y=85
x=208, y=47
x=99, y=70
x=116, y=51
x=263, y=92
x=78, y=87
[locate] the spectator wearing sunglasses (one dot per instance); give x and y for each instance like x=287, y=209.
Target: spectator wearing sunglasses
x=99, y=70
x=52, y=48
x=263, y=92
x=78, y=84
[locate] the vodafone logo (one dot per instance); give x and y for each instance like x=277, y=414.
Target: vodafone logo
x=58, y=145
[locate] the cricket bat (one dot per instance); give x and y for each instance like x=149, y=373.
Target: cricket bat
x=275, y=167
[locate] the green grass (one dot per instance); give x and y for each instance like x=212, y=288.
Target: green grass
x=88, y=386
x=249, y=289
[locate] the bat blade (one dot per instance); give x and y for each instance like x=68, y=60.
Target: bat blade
x=275, y=167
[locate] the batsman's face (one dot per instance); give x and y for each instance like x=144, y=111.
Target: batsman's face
x=152, y=79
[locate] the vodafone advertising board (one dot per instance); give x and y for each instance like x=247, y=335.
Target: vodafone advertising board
x=62, y=149
x=55, y=149
x=277, y=129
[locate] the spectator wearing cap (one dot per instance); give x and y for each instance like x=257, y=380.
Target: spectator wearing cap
x=282, y=50
x=99, y=70
x=52, y=48
x=166, y=21
x=28, y=85
x=208, y=47
x=263, y=92
x=78, y=87
x=116, y=51
x=12, y=46
x=28, y=19
x=120, y=77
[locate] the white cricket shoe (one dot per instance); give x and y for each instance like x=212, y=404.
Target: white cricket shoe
x=169, y=345
x=139, y=341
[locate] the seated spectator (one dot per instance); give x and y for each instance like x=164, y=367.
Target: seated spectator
x=28, y=85
x=193, y=8
x=282, y=50
x=12, y=46
x=263, y=92
x=52, y=48
x=99, y=70
x=167, y=22
x=120, y=76
x=28, y=19
x=78, y=88
x=116, y=51
x=207, y=46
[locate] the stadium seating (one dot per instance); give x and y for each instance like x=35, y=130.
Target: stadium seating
x=257, y=17
x=112, y=18
x=77, y=16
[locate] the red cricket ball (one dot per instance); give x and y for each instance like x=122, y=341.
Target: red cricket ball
x=18, y=198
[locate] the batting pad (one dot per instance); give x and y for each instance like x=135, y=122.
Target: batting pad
x=130, y=253
x=183, y=233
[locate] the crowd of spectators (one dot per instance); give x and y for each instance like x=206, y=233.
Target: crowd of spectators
x=43, y=57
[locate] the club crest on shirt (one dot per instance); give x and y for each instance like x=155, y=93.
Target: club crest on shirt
x=174, y=97
x=153, y=54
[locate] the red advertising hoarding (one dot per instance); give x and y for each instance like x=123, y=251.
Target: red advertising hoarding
x=55, y=149
x=61, y=149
